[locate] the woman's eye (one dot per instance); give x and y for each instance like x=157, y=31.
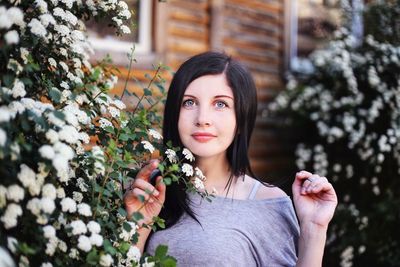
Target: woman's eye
x=221, y=104
x=188, y=103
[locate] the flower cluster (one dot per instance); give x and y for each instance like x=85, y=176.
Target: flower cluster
x=349, y=109
x=66, y=146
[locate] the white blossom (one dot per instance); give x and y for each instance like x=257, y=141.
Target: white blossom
x=49, y=231
x=68, y=205
x=47, y=152
x=49, y=190
x=147, y=145
x=78, y=227
x=93, y=227
x=18, y=89
x=84, y=243
x=96, y=240
x=12, y=37
x=187, y=169
x=133, y=254
x=3, y=137
x=188, y=155
x=26, y=176
x=47, y=205
x=125, y=29
x=9, y=217
x=84, y=209
x=105, y=123
x=37, y=28
x=171, y=155
x=155, y=134
x=106, y=260
x=15, y=193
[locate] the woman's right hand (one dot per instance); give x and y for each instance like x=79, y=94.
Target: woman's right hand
x=140, y=187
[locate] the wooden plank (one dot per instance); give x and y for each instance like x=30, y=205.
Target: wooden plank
x=251, y=27
x=260, y=45
x=258, y=5
x=186, y=45
x=188, y=16
x=178, y=29
x=244, y=13
x=201, y=5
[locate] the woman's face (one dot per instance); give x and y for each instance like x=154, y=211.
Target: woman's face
x=207, y=121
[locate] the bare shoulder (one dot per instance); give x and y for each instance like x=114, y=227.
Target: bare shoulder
x=265, y=192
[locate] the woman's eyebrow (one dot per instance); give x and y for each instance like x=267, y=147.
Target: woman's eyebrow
x=218, y=96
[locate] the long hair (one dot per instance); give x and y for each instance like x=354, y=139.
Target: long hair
x=245, y=101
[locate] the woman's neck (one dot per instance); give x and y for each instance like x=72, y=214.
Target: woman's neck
x=216, y=170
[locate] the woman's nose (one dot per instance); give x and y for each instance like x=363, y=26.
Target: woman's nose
x=203, y=118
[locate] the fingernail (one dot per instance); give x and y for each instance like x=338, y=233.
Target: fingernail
x=151, y=200
x=156, y=193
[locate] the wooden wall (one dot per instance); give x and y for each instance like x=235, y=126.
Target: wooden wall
x=252, y=32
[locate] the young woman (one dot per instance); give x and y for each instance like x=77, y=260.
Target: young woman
x=211, y=110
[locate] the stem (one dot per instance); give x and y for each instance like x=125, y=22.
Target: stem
x=129, y=71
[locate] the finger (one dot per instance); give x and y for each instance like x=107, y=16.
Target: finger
x=298, y=181
x=146, y=186
x=312, y=185
x=145, y=172
x=139, y=192
x=162, y=188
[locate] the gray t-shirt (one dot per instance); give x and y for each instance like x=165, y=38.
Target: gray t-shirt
x=233, y=232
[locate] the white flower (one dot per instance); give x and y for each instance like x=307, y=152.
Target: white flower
x=105, y=123
x=93, y=227
x=96, y=240
x=18, y=89
x=15, y=193
x=47, y=152
x=199, y=174
x=62, y=29
x=133, y=254
x=47, y=205
x=64, y=85
x=148, y=264
x=74, y=253
x=147, y=145
x=187, y=169
x=52, y=136
x=37, y=28
x=68, y=204
x=84, y=243
x=171, y=155
x=42, y=5
x=49, y=231
x=46, y=264
x=5, y=114
x=84, y=209
x=9, y=217
x=48, y=190
x=68, y=134
x=126, y=14
x=77, y=196
x=33, y=206
x=125, y=29
x=127, y=235
x=12, y=244
x=52, y=62
x=198, y=183
x=3, y=137
x=26, y=176
x=115, y=113
x=78, y=227
x=188, y=155
x=12, y=37
x=106, y=260
x=60, y=192
x=155, y=134
x=119, y=104
x=47, y=19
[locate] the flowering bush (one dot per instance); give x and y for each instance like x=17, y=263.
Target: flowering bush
x=67, y=148
x=348, y=111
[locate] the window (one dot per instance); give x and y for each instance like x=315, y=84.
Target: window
x=104, y=40
x=309, y=26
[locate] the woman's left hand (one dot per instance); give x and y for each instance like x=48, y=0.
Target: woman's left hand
x=314, y=198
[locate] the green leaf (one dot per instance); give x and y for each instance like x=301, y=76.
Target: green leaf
x=8, y=80
x=55, y=94
x=147, y=92
x=122, y=212
x=108, y=247
x=137, y=216
x=124, y=247
x=169, y=262
x=167, y=180
x=92, y=258
x=161, y=251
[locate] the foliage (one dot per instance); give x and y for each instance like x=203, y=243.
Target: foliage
x=348, y=111
x=67, y=148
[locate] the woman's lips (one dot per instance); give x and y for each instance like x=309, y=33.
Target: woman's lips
x=203, y=137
